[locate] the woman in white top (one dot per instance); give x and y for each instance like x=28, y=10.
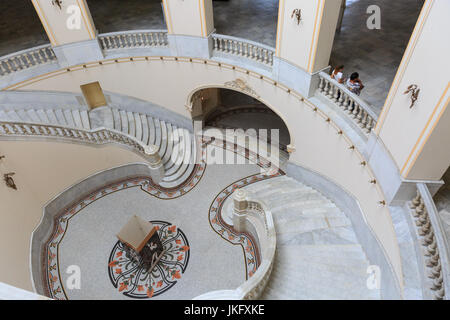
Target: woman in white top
x=337, y=74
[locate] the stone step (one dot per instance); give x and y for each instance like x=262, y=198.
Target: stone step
x=131, y=124
x=69, y=118
x=144, y=126
x=43, y=116
x=85, y=119
x=340, y=235
x=23, y=114
x=310, y=224
x=77, y=118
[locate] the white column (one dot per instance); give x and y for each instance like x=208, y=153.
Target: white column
x=418, y=136
x=71, y=30
x=305, y=45
x=189, y=25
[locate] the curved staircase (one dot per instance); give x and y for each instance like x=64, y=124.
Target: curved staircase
x=176, y=146
x=318, y=255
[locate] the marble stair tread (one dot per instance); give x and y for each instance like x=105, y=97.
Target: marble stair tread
x=23, y=114
x=144, y=126
x=33, y=115
x=339, y=258
x=180, y=167
x=304, y=205
x=151, y=131
x=339, y=235
x=331, y=286
x=13, y=116
x=310, y=224
x=116, y=119
x=51, y=117
x=138, y=124
x=69, y=118
x=85, y=119
x=3, y=115
x=179, y=153
x=124, y=121
x=43, y=116
x=77, y=118
x=180, y=180
x=168, y=139
x=60, y=117
x=131, y=124
x=316, y=212
x=158, y=135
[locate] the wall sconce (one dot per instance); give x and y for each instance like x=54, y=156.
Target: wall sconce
x=414, y=89
x=57, y=3
x=10, y=181
x=298, y=15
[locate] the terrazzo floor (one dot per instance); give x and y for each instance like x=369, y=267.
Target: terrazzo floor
x=90, y=238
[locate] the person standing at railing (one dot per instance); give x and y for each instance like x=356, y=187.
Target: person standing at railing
x=354, y=84
x=338, y=74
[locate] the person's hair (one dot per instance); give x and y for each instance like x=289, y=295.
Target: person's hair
x=339, y=67
x=354, y=76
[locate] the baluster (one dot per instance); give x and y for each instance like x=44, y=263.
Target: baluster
x=355, y=110
x=321, y=84
x=266, y=56
x=369, y=125
x=364, y=119
x=246, y=50
x=330, y=89
x=341, y=98
x=346, y=102
x=351, y=106
x=110, y=44
x=46, y=57
x=152, y=39
x=215, y=43
x=103, y=43
x=336, y=94
x=27, y=59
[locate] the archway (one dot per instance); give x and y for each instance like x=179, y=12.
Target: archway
x=225, y=108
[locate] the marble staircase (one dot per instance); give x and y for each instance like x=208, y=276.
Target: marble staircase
x=176, y=146
x=318, y=255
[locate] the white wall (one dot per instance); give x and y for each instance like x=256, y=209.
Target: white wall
x=43, y=170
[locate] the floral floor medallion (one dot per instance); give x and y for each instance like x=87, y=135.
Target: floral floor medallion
x=134, y=281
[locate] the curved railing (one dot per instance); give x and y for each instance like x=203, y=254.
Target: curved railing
x=98, y=136
x=349, y=102
x=26, y=59
x=254, y=218
x=244, y=48
x=433, y=245
x=133, y=39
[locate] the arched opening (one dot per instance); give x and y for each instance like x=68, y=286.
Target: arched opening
x=230, y=109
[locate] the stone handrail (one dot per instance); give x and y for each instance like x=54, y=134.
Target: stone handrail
x=245, y=48
x=99, y=136
x=349, y=102
x=133, y=39
x=25, y=59
x=251, y=216
x=433, y=244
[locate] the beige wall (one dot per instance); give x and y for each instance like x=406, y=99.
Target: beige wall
x=170, y=83
x=407, y=132
x=43, y=170
x=54, y=21
x=307, y=45
x=192, y=18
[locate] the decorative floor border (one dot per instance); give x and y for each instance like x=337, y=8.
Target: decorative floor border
x=251, y=251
